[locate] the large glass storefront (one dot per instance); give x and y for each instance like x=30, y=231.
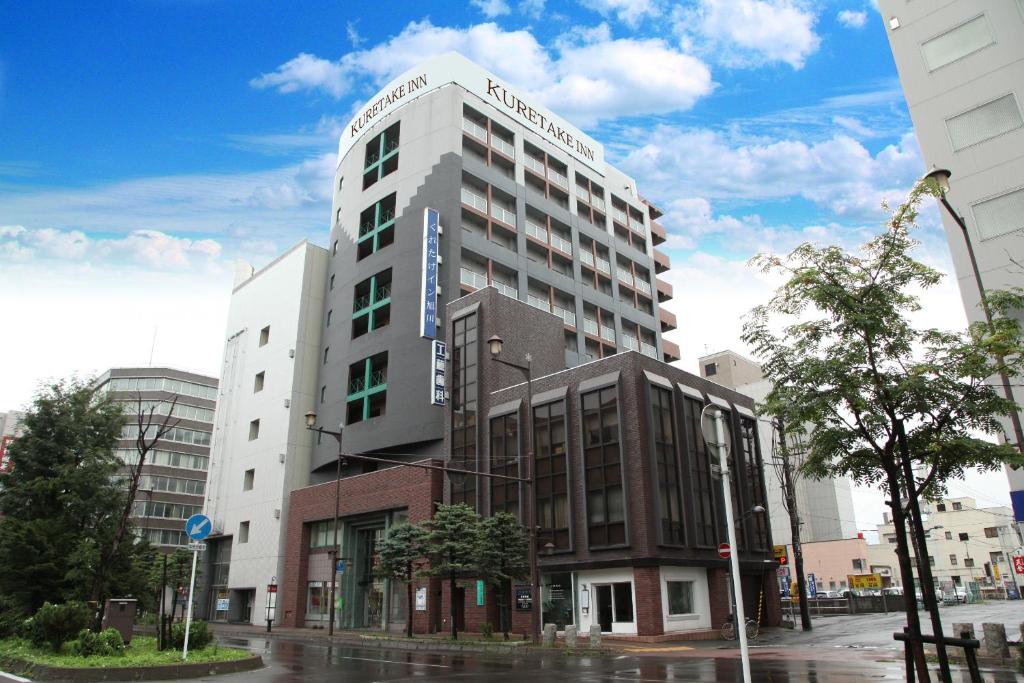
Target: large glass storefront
x=557, y=599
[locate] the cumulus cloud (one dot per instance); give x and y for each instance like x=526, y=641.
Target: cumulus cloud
x=838, y=173
x=492, y=8
x=587, y=76
x=629, y=12
x=141, y=248
x=751, y=33
x=532, y=8
x=852, y=18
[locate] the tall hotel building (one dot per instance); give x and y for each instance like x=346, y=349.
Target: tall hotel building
x=448, y=181
x=961, y=65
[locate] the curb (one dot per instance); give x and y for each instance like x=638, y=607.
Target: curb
x=161, y=672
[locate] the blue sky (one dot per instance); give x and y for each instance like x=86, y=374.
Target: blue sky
x=147, y=145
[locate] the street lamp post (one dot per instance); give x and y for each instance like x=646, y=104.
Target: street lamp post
x=941, y=176
x=495, y=344
x=335, y=551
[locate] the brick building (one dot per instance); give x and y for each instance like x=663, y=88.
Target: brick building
x=628, y=506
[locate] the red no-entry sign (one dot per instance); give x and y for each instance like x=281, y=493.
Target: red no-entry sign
x=1018, y=564
x=724, y=551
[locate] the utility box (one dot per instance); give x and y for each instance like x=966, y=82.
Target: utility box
x=120, y=614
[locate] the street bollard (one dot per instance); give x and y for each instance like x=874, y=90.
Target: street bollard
x=595, y=635
x=549, y=635
x=995, y=640
x=570, y=635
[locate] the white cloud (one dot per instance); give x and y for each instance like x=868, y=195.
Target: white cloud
x=305, y=72
x=532, y=8
x=838, y=173
x=147, y=249
x=852, y=18
x=587, y=76
x=491, y=8
x=746, y=33
x=353, y=34
x=629, y=12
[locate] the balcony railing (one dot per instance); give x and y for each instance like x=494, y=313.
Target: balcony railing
x=560, y=243
x=649, y=349
x=630, y=343
x=508, y=291
x=604, y=266
x=565, y=314
x=608, y=333
x=625, y=276
x=583, y=193
x=474, y=200
x=475, y=129
x=620, y=216
x=503, y=214
x=534, y=164
x=377, y=377
x=590, y=326
x=587, y=258
x=537, y=231
x=597, y=202
x=506, y=148
x=537, y=302
x=643, y=286
x=558, y=179
x=472, y=278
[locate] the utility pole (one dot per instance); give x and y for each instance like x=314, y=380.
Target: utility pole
x=794, y=525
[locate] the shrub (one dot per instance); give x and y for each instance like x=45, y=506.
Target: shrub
x=487, y=630
x=54, y=625
x=91, y=644
x=11, y=617
x=199, y=636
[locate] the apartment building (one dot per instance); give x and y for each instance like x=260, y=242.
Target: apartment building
x=961, y=65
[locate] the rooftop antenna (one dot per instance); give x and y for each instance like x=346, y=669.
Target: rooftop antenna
x=152, y=347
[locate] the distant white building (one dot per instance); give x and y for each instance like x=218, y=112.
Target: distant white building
x=10, y=428
x=826, y=505
x=261, y=447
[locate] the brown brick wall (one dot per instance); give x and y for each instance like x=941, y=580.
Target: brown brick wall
x=647, y=611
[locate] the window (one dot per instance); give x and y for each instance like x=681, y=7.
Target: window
x=755, y=483
x=964, y=536
x=464, y=408
x=991, y=532
x=666, y=459
x=931, y=561
x=176, y=434
x=710, y=369
x=984, y=122
x=958, y=506
x=243, y=532
x=952, y=559
x=371, y=305
x=248, y=479
x=957, y=43
x=323, y=393
x=341, y=183
x=265, y=335
x=376, y=227
x=334, y=248
x=858, y=565
x=623, y=601
x=505, y=461
x=551, y=488
x=257, y=385
x=381, y=156
x=949, y=535
x=891, y=538
x=321, y=534
x=941, y=507
x=187, y=461
x=330, y=316
x=603, y=462
x=367, y=388
x=254, y=430
x=327, y=353
x=1000, y=215
x=331, y=285
x=680, y=597
x=968, y=561
x=700, y=473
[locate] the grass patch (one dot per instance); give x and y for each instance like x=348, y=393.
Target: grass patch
x=141, y=652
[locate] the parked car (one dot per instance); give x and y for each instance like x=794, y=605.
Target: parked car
x=894, y=590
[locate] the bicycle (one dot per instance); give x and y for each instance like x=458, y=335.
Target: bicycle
x=729, y=628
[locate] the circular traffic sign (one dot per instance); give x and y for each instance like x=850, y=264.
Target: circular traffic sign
x=724, y=551
x=198, y=527
x=710, y=418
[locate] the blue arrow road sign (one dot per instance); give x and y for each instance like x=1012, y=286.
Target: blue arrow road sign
x=340, y=567
x=198, y=527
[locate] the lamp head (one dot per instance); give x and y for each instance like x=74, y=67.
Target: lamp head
x=757, y=509
x=495, y=343
x=310, y=420
x=941, y=177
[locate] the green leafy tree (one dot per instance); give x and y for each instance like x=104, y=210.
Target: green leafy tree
x=502, y=550
x=451, y=541
x=401, y=555
x=884, y=397
x=60, y=502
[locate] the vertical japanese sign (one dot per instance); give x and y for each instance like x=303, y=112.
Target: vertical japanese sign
x=428, y=311
x=437, y=359
x=5, y=458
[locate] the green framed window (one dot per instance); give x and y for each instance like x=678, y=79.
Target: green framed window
x=505, y=461
x=376, y=227
x=381, y=156
x=367, y=388
x=371, y=306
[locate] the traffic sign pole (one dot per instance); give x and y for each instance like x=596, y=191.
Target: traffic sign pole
x=197, y=527
x=188, y=619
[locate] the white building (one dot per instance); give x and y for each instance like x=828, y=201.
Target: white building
x=261, y=446
x=826, y=505
x=968, y=547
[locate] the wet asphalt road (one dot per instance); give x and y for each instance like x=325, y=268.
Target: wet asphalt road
x=293, y=661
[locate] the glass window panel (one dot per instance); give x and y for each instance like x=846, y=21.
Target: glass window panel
x=984, y=122
x=623, y=595
x=1000, y=215
x=680, y=597
x=957, y=43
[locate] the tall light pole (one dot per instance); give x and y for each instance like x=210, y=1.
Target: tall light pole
x=941, y=176
x=335, y=551
x=495, y=345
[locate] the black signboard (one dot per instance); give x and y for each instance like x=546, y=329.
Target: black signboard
x=523, y=601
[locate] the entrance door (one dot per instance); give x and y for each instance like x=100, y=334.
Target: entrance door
x=460, y=608
x=248, y=597
x=604, y=607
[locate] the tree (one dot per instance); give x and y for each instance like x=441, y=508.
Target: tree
x=502, y=549
x=451, y=536
x=787, y=459
x=884, y=396
x=401, y=555
x=60, y=503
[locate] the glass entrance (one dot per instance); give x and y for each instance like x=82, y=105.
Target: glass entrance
x=373, y=586
x=604, y=607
